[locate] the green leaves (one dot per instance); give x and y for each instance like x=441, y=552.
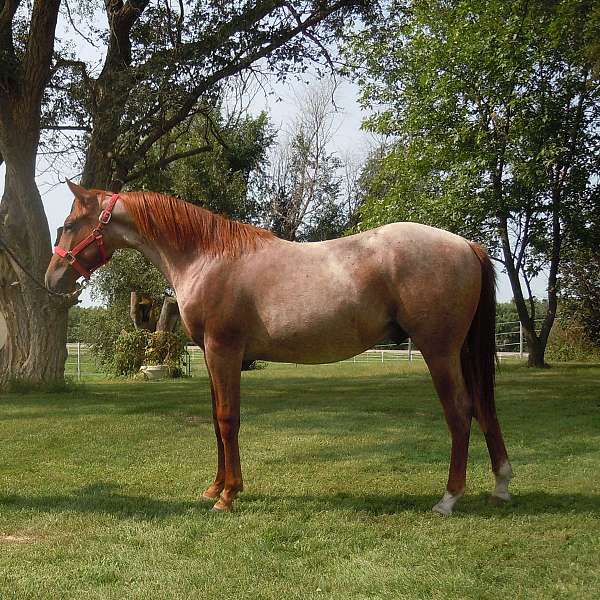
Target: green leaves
x=490, y=109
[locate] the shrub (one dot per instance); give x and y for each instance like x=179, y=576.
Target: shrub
x=165, y=348
x=130, y=351
x=136, y=348
x=567, y=343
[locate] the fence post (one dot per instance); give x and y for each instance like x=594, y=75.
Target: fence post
x=409, y=350
x=78, y=361
x=520, y=340
x=382, y=356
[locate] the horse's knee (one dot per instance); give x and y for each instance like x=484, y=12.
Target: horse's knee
x=229, y=425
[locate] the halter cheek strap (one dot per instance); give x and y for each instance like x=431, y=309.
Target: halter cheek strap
x=96, y=236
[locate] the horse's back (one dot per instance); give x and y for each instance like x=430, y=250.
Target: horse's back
x=319, y=302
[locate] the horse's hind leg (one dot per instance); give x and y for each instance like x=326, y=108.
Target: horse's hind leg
x=499, y=458
x=447, y=377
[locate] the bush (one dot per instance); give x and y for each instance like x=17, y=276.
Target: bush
x=165, y=348
x=136, y=348
x=568, y=343
x=130, y=351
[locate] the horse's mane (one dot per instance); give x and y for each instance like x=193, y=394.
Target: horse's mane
x=185, y=226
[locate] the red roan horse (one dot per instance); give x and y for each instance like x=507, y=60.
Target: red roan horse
x=245, y=294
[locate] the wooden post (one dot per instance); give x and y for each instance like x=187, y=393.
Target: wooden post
x=520, y=340
x=168, y=315
x=78, y=361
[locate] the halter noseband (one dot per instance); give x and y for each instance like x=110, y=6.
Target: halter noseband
x=96, y=236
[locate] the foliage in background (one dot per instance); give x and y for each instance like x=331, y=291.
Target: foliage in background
x=103, y=326
x=568, y=343
x=130, y=351
x=580, y=291
x=491, y=109
x=165, y=348
x=139, y=347
x=217, y=179
x=303, y=184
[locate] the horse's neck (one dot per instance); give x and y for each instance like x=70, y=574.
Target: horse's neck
x=173, y=264
x=169, y=261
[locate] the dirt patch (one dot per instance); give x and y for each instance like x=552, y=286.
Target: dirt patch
x=196, y=420
x=16, y=539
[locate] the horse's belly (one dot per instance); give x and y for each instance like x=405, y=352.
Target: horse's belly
x=313, y=337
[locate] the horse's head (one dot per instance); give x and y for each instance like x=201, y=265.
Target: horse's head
x=81, y=246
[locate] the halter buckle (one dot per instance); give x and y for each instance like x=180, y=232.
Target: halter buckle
x=105, y=217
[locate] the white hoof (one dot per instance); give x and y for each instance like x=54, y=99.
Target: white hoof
x=446, y=504
x=503, y=478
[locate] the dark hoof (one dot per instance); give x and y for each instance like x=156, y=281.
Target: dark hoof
x=498, y=501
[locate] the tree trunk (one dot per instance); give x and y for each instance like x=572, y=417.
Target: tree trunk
x=35, y=348
x=169, y=315
x=536, y=349
x=141, y=311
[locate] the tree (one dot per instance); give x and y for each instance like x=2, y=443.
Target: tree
x=161, y=66
x=580, y=291
x=304, y=183
x=218, y=180
x=37, y=322
x=493, y=110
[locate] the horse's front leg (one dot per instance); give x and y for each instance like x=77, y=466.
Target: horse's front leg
x=214, y=490
x=224, y=364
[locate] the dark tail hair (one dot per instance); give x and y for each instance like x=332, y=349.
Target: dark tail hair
x=478, y=356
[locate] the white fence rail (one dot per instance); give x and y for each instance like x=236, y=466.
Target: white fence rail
x=510, y=341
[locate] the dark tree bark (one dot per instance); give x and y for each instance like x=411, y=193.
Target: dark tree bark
x=35, y=348
x=141, y=310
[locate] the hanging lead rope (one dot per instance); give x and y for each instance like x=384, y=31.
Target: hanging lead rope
x=33, y=278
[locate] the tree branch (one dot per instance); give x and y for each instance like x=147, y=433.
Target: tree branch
x=40, y=46
x=161, y=164
x=8, y=58
x=277, y=41
x=213, y=40
x=66, y=128
x=121, y=18
x=7, y=13
x=70, y=17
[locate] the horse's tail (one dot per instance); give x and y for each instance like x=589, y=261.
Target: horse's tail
x=479, y=351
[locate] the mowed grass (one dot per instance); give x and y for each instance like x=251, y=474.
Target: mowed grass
x=99, y=490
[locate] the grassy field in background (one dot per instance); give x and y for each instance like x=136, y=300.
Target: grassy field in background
x=99, y=490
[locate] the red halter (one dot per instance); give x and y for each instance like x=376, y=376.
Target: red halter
x=95, y=236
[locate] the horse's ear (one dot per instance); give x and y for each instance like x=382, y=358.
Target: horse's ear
x=82, y=194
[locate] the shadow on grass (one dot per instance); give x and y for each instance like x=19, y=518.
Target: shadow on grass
x=531, y=503
x=104, y=498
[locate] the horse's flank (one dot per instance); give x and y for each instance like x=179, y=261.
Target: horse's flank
x=185, y=226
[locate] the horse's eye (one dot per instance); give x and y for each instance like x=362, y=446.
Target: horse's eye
x=68, y=226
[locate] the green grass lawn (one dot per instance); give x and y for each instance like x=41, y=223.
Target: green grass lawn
x=99, y=490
